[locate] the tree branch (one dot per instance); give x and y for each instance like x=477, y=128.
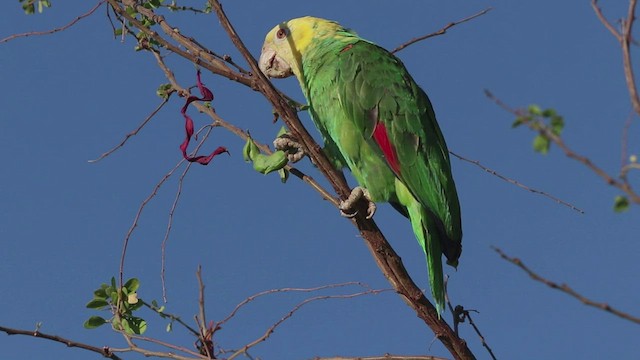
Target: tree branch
x=566, y=289
x=104, y=351
x=55, y=30
x=517, y=183
x=625, y=39
x=442, y=31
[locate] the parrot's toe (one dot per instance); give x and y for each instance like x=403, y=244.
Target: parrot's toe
x=289, y=145
x=347, y=207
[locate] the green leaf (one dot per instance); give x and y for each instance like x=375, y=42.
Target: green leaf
x=621, y=204
x=520, y=120
x=132, y=285
x=97, y=304
x=114, y=296
x=29, y=8
x=100, y=294
x=535, y=110
x=557, y=124
x=94, y=322
x=43, y=4
x=169, y=326
x=541, y=144
x=134, y=325
x=549, y=113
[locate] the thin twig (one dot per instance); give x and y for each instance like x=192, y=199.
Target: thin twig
x=163, y=314
x=104, y=351
x=442, y=31
x=383, y=357
x=517, y=183
x=624, y=142
x=273, y=327
x=135, y=131
x=281, y=290
x=160, y=354
x=203, y=317
x=566, y=289
x=153, y=193
x=625, y=38
x=482, y=339
x=460, y=314
x=55, y=30
x=165, y=240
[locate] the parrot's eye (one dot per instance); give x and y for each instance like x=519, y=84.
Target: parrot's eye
x=281, y=34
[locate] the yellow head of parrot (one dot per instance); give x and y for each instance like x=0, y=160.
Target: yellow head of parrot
x=285, y=44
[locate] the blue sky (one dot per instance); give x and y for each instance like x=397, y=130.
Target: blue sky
x=71, y=96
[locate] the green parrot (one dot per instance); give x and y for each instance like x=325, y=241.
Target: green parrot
x=375, y=120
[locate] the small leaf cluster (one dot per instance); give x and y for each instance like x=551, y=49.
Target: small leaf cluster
x=121, y=302
x=144, y=41
x=174, y=6
x=164, y=90
x=546, y=122
x=29, y=6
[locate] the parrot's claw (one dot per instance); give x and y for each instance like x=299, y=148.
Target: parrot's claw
x=347, y=207
x=289, y=145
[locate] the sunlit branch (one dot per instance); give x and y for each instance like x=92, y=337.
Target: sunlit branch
x=566, y=289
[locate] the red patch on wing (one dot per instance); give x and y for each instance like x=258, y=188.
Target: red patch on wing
x=380, y=135
x=346, y=48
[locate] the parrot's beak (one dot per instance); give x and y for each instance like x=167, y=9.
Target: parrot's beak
x=273, y=65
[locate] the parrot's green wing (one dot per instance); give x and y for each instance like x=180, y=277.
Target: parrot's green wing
x=375, y=119
x=395, y=114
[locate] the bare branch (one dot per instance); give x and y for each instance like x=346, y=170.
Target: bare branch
x=625, y=38
x=383, y=357
x=104, y=351
x=55, y=30
x=205, y=333
x=163, y=247
x=160, y=354
x=153, y=193
x=275, y=291
x=517, y=183
x=442, y=31
x=135, y=131
x=460, y=314
x=271, y=329
x=164, y=314
x=566, y=289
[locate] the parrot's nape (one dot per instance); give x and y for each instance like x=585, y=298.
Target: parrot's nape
x=375, y=120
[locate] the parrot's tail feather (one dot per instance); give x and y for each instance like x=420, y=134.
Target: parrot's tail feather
x=430, y=241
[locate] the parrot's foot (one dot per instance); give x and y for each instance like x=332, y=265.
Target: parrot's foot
x=289, y=145
x=347, y=207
